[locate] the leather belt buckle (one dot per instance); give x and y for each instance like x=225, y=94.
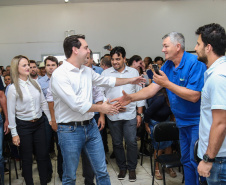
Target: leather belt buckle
x=34, y=120
x=82, y=123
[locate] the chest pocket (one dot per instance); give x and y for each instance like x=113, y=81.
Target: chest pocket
x=183, y=78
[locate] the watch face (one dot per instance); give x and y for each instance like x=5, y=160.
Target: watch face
x=205, y=158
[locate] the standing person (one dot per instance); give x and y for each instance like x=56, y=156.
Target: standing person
x=3, y=129
x=71, y=85
x=124, y=125
x=51, y=63
x=42, y=69
x=34, y=70
x=210, y=49
x=26, y=120
x=183, y=76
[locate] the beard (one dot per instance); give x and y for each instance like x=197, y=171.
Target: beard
x=203, y=59
x=33, y=75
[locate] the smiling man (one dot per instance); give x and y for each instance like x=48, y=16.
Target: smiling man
x=71, y=85
x=210, y=49
x=124, y=125
x=182, y=76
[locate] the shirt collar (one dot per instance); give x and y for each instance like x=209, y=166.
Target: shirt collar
x=70, y=67
x=24, y=83
x=46, y=78
x=181, y=65
x=115, y=71
x=219, y=61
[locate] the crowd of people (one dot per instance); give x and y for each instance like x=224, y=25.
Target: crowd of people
x=74, y=103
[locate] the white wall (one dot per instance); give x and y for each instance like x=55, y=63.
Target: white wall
x=138, y=26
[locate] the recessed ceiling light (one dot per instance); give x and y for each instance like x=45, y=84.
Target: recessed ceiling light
x=66, y=1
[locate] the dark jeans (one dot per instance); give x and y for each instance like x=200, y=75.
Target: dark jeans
x=49, y=131
x=103, y=132
x=33, y=135
x=128, y=130
x=87, y=169
x=1, y=151
x=49, y=135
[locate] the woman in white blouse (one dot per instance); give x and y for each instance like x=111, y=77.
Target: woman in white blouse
x=25, y=104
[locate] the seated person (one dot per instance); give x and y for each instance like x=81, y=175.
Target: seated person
x=159, y=111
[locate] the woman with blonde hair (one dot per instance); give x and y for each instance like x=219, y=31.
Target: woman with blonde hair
x=25, y=104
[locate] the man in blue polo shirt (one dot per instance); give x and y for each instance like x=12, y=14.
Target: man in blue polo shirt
x=182, y=76
x=210, y=49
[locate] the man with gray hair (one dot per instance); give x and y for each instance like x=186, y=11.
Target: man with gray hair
x=183, y=77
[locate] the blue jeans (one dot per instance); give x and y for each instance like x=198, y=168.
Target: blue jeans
x=188, y=137
x=218, y=172
x=72, y=139
x=128, y=130
x=1, y=150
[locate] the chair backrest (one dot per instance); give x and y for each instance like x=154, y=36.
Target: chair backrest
x=166, y=131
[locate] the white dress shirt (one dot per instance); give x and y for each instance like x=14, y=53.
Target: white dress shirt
x=115, y=92
x=72, y=91
x=30, y=108
x=97, y=94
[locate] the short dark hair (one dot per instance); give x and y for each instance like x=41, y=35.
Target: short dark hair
x=70, y=42
x=107, y=61
x=213, y=34
x=107, y=55
x=33, y=62
x=52, y=58
x=149, y=59
x=134, y=57
x=159, y=58
x=118, y=50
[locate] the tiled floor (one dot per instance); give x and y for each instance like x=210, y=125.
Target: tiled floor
x=143, y=174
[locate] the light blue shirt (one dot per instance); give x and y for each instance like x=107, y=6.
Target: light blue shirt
x=44, y=83
x=213, y=97
x=97, y=69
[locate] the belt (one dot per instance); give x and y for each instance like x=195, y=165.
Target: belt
x=78, y=123
x=34, y=120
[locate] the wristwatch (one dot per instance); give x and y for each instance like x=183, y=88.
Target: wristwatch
x=140, y=114
x=206, y=158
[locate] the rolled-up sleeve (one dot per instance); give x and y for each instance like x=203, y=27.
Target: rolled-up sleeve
x=49, y=96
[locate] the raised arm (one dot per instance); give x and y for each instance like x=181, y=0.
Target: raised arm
x=183, y=92
x=143, y=94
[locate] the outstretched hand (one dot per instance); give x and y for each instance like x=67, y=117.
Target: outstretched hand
x=138, y=80
x=123, y=100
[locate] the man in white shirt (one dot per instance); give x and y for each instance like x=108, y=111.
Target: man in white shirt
x=210, y=48
x=126, y=122
x=72, y=94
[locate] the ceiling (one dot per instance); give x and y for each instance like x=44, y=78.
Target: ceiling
x=34, y=2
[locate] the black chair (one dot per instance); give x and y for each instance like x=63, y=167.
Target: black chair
x=166, y=131
x=146, y=140
x=9, y=157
